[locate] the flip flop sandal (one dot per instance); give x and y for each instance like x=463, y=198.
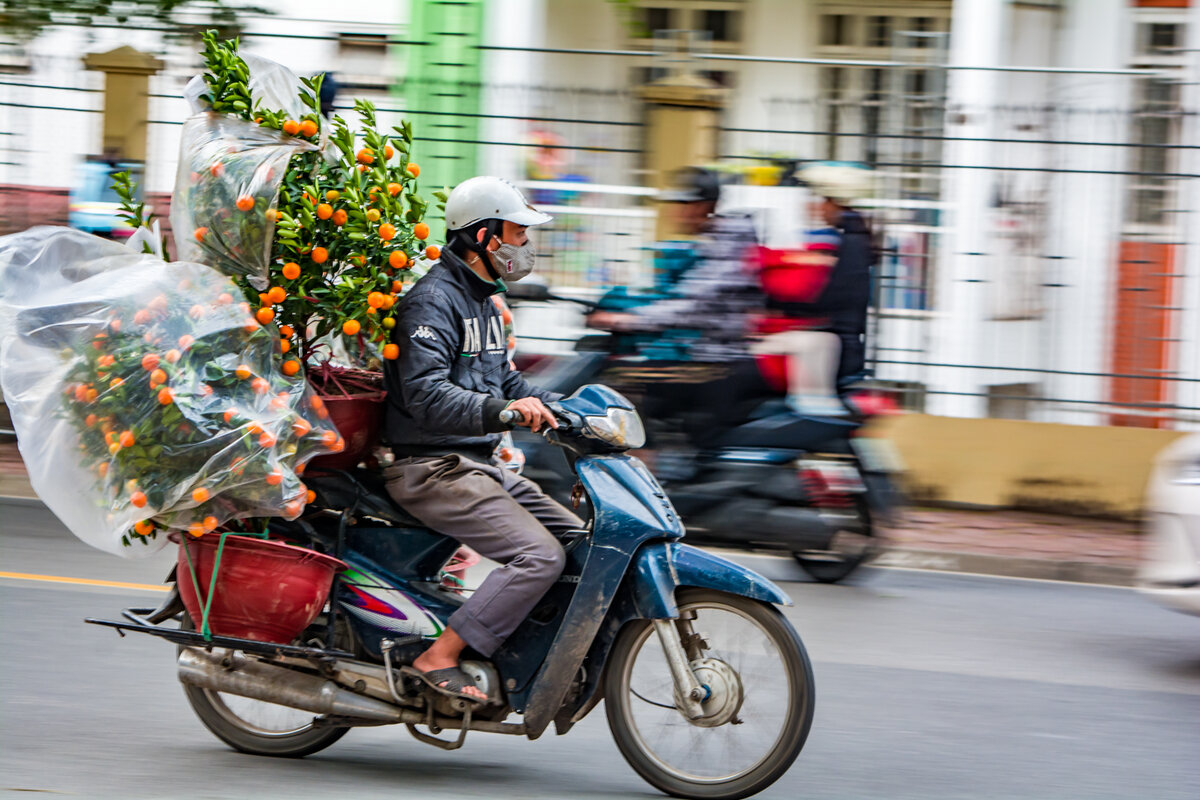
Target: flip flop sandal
x=454, y=678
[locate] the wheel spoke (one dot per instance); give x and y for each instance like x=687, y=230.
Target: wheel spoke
x=695, y=752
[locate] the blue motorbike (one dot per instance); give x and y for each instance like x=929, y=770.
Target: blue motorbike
x=707, y=687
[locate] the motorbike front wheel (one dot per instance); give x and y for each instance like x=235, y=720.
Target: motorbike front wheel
x=256, y=727
x=759, y=703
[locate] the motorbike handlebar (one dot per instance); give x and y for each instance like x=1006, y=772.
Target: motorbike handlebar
x=510, y=416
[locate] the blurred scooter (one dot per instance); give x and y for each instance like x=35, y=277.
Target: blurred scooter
x=815, y=487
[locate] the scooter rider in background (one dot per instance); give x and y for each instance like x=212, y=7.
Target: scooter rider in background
x=717, y=298
x=844, y=299
x=444, y=396
x=717, y=295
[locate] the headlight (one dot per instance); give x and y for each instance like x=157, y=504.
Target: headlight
x=620, y=427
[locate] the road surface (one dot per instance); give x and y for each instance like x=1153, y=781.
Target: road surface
x=928, y=686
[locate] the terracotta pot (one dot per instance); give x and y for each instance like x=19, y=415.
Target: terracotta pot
x=358, y=419
x=266, y=591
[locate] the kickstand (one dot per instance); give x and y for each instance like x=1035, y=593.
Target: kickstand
x=441, y=743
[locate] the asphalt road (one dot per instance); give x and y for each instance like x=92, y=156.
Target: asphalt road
x=928, y=686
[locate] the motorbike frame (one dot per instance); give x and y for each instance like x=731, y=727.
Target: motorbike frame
x=626, y=567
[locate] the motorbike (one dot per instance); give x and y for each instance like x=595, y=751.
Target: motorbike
x=815, y=487
x=707, y=688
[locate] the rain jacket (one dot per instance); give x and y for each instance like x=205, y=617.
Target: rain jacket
x=453, y=378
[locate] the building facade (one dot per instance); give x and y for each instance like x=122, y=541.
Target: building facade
x=1037, y=161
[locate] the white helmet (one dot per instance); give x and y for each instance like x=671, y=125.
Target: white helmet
x=841, y=181
x=485, y=197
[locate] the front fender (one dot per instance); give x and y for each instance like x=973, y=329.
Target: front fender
x=661, y=567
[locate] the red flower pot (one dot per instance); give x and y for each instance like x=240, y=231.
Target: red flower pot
x=358, y=418
x=266, y=591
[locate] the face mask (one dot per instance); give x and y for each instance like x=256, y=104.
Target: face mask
x=512, y=262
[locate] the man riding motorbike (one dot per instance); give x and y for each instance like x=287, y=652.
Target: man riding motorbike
x=716, y=299
x=444, y=396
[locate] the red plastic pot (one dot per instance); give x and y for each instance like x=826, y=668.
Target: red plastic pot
x=358, y=419
x=266, y=591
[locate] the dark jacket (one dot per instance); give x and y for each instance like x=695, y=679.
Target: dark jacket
x=452, y=379
x=843, y=301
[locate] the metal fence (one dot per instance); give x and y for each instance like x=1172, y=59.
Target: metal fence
x=1058, y=322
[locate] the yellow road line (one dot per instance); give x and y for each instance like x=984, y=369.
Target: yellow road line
x=25, y=576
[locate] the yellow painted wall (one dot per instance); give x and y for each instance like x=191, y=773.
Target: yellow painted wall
x=1072, y=469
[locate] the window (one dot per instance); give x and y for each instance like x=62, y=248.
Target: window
x=835, y=30
x=833, y=80
x=1011, y=400
x=1163, y=36
x=921, y=25
x=362, y=61
x=720, y=78
x=1156, y=121
x=879, y=31
x=908, y=395
x=721, y=24
x=710, y=25
x=657, y=19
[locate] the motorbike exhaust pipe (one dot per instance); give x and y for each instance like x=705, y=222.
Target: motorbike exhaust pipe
x=271, y=684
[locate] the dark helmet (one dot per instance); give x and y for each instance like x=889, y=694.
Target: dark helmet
x=692, y=185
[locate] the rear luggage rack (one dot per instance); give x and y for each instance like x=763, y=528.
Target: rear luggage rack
x=138, y=623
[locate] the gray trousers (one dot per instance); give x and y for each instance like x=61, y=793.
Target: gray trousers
x=500, y=515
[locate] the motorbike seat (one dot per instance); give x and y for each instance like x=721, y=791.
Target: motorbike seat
x=788, y=431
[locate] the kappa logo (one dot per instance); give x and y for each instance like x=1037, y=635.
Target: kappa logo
x=423, y=332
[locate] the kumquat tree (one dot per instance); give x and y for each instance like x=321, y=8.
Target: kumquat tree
x=346, y=222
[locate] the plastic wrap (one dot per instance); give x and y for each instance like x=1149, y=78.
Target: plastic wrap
x=145, y=394
x=223, y=208
x=271, y=85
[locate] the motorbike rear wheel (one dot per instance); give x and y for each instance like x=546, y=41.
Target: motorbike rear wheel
x=255, y=727
x=839, y=562
x=760, y=690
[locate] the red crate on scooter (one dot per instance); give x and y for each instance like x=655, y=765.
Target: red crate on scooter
x=263, y=590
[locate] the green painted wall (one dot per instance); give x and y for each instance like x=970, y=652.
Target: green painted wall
x=441, y=85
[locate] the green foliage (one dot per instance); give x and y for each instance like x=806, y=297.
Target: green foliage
x=132, y=210
x=345, y=217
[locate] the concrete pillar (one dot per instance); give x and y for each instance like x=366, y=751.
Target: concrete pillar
x=126, y=99
x=977, y=37
x=682, y=127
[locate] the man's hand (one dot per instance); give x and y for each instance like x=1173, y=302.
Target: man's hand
x=533, y=413
x=611, y=320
